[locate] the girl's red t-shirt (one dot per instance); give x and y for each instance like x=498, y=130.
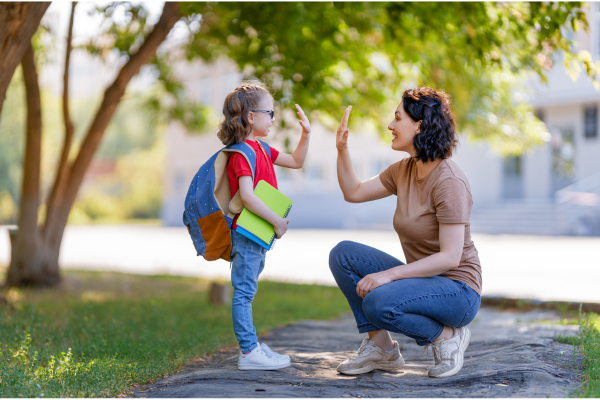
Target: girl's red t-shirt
x=238, y=166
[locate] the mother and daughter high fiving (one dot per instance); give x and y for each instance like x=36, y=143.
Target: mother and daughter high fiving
x=432, y=297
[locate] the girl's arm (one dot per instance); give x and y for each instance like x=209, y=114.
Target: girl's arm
x=296, y=160
x=355, y=190
x=452, y=238
x=258, y=207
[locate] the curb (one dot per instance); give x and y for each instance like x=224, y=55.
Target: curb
x=531, y=304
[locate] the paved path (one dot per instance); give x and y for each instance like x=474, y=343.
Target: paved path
x=537, y=267
x=509, y=356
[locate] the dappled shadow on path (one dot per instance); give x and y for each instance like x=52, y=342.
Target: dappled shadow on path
x=510, y=355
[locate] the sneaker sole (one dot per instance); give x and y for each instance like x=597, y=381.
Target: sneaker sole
x=384, y=366
x=263, y=367
x=463, y=347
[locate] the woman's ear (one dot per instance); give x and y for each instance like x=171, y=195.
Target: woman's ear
x=251, y=117
x=419, y=127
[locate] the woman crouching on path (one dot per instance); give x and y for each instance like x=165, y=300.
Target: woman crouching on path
x=433, y=297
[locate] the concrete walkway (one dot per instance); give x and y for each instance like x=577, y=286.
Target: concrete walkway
x=510, y=355
x=549, y=268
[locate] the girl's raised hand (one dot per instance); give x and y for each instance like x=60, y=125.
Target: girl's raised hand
x=303, y=120
x=341, y=138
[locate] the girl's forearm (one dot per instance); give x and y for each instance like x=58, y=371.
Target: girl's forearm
x=301, y=151
x=347, y=177
x=258, y=207
x=427, y=267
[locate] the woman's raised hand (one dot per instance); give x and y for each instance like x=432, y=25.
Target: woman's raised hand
x=341, y=138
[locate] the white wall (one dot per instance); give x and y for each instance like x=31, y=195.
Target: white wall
x=483, y=169
x=537, y=172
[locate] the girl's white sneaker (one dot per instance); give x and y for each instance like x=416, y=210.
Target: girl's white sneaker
x=271, y=353
x=259, y=359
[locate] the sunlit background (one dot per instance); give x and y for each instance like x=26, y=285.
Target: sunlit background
x=140, y=175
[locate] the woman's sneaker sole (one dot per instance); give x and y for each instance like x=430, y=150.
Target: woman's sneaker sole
x=384, y=366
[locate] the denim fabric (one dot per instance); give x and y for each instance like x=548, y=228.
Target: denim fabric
x=416, y=307
x=247, y=262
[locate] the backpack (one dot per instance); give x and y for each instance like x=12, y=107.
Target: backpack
x=209, y=207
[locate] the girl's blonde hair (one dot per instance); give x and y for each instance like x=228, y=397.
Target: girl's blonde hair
x=236, y=127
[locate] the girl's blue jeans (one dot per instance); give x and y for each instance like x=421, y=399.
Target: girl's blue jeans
x=247, y=262
x=416, y=307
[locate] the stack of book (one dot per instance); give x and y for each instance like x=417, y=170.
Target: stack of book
x=254, y=227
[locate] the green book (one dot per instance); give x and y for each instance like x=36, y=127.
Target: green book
x=254, y=227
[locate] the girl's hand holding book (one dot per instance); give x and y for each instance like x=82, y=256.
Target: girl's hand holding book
x=281, y=227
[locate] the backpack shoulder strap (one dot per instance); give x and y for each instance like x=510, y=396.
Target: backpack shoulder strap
x=247, y=152
x=266, y=147
x=236, y=205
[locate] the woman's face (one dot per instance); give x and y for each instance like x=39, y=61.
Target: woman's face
x=260, y=121
x=403, y=130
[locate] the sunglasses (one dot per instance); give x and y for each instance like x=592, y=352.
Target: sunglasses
x=271, y=113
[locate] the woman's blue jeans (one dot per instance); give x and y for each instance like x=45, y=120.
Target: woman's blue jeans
x=416, y=307
x=247, y=262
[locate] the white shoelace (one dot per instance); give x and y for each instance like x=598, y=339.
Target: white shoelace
x=361, y=352
x=436, y=352
x=440, y=351
x=270, y=353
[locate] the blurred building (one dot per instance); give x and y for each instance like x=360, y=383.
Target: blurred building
x=555, y=189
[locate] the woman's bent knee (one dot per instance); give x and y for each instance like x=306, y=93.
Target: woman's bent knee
x=471, y=314
x=376, y=308
x=338, y=252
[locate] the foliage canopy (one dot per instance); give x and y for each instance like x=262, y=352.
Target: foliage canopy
x=328, y=55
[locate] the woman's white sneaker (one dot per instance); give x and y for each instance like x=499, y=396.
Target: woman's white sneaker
x=370, y=357
x=259, y=359
x=449, y=354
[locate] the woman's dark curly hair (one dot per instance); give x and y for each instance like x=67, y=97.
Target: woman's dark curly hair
x=236, y=127
x=438, y=138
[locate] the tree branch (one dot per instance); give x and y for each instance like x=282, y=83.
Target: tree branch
x=112, y=97
x=18, y=23
x=60, y=181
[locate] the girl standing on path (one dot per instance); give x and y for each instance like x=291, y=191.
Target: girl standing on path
x=249, y=114
x=437, y=293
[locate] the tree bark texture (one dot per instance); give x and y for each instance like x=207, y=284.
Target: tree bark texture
x=18, y=23
x=29, y=264
x=70, y=177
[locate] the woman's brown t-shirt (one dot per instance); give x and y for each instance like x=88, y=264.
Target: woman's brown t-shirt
x=443, y=196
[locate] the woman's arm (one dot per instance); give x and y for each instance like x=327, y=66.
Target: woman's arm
x=452, y=238
x=296, y=159
x=355, y=190
x=258, y=207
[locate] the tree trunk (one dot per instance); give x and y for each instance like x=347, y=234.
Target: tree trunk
x=219, y=293
x=18, y=23
x=29, y=261
x=60, y=181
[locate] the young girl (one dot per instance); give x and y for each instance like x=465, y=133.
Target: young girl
x=249, y=114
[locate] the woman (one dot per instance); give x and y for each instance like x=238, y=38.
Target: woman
x=437, y=293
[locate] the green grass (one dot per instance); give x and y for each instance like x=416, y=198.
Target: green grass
x=101, y=333
x=589, y=335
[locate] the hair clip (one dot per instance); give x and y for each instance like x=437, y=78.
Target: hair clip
x=431, y=105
